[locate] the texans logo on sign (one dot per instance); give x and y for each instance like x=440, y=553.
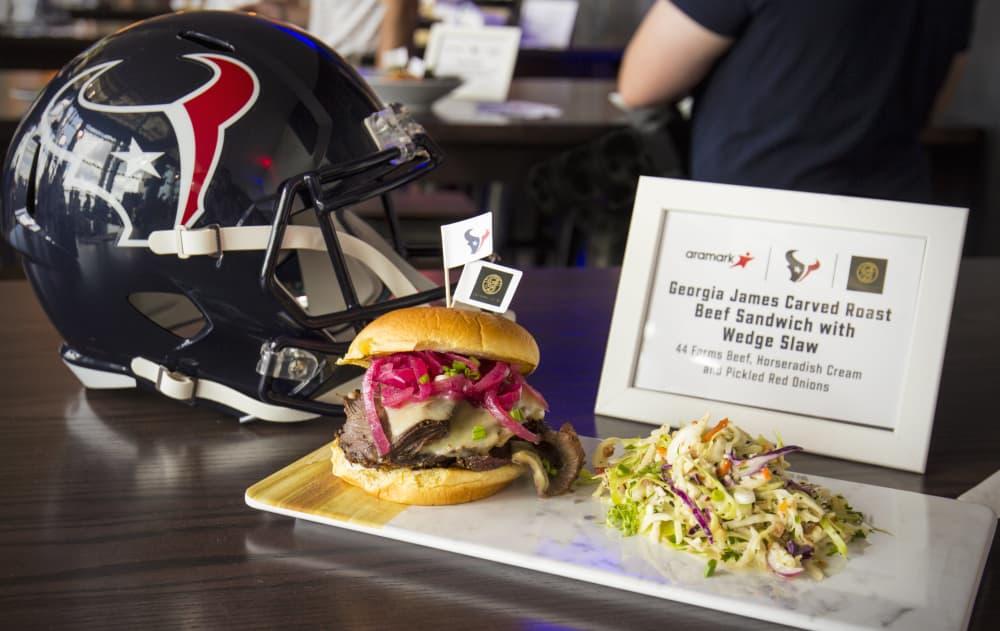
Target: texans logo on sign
x=798, y=271
x=199, y=120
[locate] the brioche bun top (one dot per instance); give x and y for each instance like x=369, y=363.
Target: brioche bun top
x=475, y=333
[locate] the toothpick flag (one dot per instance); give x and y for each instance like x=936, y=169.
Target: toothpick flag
x=467, y=240
x=487, y=285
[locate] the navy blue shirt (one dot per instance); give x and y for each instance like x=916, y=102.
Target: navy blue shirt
x=823, y=95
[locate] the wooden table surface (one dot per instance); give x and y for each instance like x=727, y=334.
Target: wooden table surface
x=125, y=510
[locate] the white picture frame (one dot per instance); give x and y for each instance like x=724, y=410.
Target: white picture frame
x=905, y=444
x=482, y=56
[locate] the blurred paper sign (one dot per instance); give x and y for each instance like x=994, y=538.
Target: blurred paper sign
x=467, y=240
x=548, y=23
x=521, y=110
x=821, y=317
x=482, y=57
x=487, y=286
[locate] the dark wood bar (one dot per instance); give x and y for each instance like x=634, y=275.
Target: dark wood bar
x=124, y=509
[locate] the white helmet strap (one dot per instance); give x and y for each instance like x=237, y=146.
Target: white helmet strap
x=215, y=240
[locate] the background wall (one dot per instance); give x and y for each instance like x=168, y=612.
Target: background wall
x=977, y=103
x=604, y=24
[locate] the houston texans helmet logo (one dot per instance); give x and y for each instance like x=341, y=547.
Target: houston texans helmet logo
x=199, y=120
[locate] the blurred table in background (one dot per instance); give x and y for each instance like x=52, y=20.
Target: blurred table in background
x=489, y=154
x=45, y=46
x=495, y=153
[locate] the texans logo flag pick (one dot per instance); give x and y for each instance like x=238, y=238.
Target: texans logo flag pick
x=467, y=240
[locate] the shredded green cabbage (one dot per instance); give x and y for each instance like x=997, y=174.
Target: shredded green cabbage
x=719, y=493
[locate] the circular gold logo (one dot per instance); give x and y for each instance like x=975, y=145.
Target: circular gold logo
x=492, y=284
x=867, y=273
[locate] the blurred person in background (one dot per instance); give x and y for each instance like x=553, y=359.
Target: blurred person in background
x=360, y=30
x=825, y=96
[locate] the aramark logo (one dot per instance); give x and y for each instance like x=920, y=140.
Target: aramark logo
x=798, y=271
x=743, y=260
x=717, y=257
x=733, y=260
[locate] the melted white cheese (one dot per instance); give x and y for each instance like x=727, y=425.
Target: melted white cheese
x=459, y=440
x=403, y=418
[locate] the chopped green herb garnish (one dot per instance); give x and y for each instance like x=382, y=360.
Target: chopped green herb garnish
x=730, y=555
x=710, y=568
x=517, y=414
x=549, y=468
x=478, y=432
x=460, y=368
x=424, y=378
x=625, y=517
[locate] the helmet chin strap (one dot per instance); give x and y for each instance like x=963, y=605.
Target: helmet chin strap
x=215, y=241
x=183, y=388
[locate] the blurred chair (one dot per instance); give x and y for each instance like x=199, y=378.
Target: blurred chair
x=585, y=195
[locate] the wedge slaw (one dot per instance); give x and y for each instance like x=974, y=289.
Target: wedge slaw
x=726, y=496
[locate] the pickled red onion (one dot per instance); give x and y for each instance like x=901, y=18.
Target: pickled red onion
x=393, y=397
x=519, y=379
x=471, y=362
x=371, y=412
x=493, y=405
x=492, y=379
x=432, y=362
x=399, y=376
x=509, y=399
x=421, y=376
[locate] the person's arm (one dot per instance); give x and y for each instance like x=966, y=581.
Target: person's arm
x=668, y=55
x=397, y=26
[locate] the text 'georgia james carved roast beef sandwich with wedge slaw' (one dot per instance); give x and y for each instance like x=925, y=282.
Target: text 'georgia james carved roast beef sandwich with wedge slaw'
x=445, y=415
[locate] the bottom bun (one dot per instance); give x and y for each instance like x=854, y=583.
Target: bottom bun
x=426, y=487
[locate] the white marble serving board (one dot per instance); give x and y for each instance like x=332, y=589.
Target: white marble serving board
x=924, y=575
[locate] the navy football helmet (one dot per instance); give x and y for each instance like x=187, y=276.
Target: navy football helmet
x=180, y=195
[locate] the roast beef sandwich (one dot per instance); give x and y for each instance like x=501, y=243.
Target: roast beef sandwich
x=445, y=415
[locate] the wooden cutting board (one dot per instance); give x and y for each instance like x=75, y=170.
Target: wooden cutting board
x=308, y=486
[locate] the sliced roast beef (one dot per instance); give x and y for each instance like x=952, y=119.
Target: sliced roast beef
x=563, y=450
x=356, y=436
x=406, y=448
x=483, y=463
x=359, y=447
